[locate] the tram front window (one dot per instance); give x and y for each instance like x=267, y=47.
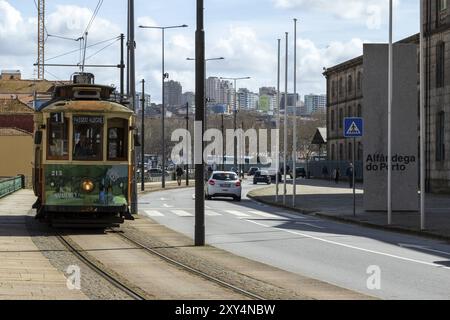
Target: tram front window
x=58, y=140
x=87, y=138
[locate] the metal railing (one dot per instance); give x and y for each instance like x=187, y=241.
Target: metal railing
x=10, y=185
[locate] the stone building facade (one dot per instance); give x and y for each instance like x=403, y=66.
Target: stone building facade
x=345, y=98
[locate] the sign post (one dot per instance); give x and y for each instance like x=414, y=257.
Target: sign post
x=353, y=128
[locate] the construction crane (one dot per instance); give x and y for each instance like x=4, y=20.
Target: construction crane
x=41, y=39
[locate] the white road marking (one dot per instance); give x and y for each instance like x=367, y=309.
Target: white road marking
x=412, y=246
x=237, y=213
x=153, y=213
x=182, y=213
x=212, y=213
x=167, y=206
x=310, y=225
x=265, y=214
x=430, y=264
x=163, y=199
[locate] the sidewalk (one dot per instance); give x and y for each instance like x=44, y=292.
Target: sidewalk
x=327, y=199
x=156, y=186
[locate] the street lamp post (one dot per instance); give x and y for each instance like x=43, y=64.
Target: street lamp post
x=235, y=112
x=163, y=109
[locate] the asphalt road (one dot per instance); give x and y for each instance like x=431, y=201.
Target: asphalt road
x=346, y=255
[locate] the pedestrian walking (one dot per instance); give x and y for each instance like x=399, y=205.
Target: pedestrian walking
x=180, y=173
x=350, y=174
x=325, y=172
x=337, y=175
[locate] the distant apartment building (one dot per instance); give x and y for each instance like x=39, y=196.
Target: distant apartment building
x=189, y=98
x=219, y=91
x=247, y=100
x=267, y=99
x=291, y=100
x=314, y=103
x=173, y=92
x=147, y=103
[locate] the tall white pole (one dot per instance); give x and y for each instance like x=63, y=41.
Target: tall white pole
x=294, y=138
x=390, y=95
x=422, y=119
x=285, y=119
x=278, y=121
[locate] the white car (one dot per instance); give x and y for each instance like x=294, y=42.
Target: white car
x=224, y=184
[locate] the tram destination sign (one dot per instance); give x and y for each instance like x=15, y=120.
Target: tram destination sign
x=87, y=120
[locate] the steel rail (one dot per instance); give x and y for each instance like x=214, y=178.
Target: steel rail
x=192, y=270
x=111, y=279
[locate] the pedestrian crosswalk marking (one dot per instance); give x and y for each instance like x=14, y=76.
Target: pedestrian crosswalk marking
x=237, y=213
x=182, y=213
x=153, y=213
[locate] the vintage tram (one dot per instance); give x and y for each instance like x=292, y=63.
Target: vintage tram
x=83, y=149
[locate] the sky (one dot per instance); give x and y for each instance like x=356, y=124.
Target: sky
x=244, y=32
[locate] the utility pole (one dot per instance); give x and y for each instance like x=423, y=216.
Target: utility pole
x=294, y=138
x=143, y=138
x=199, y=117
x=285, y=119
x=41, y=39
x=422, y=119
x=132, y=75
x=223, y=144
x=277, y=162
x=390, y=95
x=188, y=146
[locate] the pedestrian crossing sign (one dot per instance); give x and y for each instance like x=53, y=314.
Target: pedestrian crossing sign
x=353, y=127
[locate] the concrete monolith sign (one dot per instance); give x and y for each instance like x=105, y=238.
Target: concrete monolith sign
x=404, y=127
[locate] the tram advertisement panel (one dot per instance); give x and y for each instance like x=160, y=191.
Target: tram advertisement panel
x=72, y=185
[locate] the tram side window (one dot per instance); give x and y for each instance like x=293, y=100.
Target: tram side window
x=58, y=139
x=88, y=138
x=117, y=140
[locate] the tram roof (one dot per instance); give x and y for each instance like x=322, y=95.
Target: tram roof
x=99, y=106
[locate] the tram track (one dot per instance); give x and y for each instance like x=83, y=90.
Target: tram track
x=90, y=262
x=189, y=269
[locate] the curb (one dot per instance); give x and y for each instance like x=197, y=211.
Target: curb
x=424, y=234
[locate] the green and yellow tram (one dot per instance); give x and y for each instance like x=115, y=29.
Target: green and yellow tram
x=83, y=165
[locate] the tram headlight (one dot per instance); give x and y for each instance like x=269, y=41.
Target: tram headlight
x=87, y=186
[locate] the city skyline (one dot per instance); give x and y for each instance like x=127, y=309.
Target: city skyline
x=246, y=41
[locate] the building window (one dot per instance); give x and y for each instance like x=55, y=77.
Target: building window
x=359, y=81
x=442, y=5
x=359, y=111
x=360, y=151
x=341, y=118
x=349, y=111
x=350, y=84
x=440, y=65
x=341, y=87
x=440, y=137
x=341, y=152
x=350, y=151
x=333, y=152
x=333, y=88
x=332, y=120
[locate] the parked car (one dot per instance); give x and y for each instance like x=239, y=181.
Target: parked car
x=262, y=176
x=300, y=173
x=252, y=171
x=224, y=184
x=273, y=174
x=154, y=173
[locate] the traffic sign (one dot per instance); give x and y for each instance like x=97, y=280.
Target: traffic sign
x=353, y=127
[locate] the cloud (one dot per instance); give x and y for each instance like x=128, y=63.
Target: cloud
x=369, y=12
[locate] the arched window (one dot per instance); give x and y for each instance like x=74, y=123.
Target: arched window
x=440, y=136
x=359, y=81
x=341, y=87
x=341, y=118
